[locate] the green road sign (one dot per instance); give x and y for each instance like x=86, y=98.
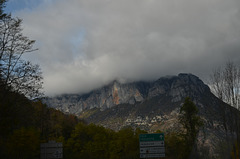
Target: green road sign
x=151, y=137
x=151, y=145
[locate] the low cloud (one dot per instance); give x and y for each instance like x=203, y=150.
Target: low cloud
x=84, y=44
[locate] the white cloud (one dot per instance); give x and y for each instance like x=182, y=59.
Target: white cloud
x=87, y=43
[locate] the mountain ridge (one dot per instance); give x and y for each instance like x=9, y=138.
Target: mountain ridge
x=116, y=93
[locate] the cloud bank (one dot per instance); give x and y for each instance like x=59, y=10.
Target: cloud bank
x=84, y=44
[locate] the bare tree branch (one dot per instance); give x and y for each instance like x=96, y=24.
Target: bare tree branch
x=20, y=75
x=225, y=84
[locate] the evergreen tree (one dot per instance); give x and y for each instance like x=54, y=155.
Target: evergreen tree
x=191, y=123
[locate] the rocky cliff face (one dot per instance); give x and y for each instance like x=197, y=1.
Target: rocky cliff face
x=103, y=98
x=175, y=87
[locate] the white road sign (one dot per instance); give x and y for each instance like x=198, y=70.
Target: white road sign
x=148, y=150
x=151, y=155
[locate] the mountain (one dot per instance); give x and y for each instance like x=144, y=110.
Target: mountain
x=153, y=106
x=175, y=87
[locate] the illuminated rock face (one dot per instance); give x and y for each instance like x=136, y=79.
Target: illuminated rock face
x=174, y=87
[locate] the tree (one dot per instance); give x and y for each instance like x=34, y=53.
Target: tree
x=176, y=146
x=22, y=76
x=191, y=123
x=225, y=84
x=24, y=143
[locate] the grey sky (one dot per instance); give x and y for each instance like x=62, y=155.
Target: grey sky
x=87, y=43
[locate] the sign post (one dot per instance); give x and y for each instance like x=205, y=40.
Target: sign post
x=152, y=145
x=51, y=150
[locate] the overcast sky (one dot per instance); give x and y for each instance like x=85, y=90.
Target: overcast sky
x=84, y=44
